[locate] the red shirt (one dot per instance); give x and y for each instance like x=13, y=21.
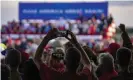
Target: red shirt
x=108, y=76
x=59, y=67
x=48, y=73
x=92, y=30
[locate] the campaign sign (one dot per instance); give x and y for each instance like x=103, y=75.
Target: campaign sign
x=57, y=10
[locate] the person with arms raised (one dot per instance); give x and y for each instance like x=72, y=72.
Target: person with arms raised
x=127, y=43
x=72, y=60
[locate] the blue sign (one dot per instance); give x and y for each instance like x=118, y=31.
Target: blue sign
x=57, y=10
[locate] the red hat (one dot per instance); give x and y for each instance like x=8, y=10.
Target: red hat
x=113, y=47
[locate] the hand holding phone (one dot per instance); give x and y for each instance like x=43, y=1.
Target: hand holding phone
x=52, y=34
x=71, y=37
x=122, y=27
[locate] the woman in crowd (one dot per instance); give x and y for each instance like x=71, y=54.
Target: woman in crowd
x=106, y=70
x=72, y=60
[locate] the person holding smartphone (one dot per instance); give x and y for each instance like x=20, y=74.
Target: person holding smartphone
x=72, y=59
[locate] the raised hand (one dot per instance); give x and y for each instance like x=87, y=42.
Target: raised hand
x=52, y=34
x=73, y=39
x=122, y=27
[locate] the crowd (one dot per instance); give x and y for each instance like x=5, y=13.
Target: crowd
x=72, y=62
x=30, y=44
x=82, y=25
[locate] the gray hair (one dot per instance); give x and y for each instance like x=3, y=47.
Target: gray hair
x=106, y=60
x=105, y=57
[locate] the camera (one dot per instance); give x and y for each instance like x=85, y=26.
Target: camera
x=58, y=56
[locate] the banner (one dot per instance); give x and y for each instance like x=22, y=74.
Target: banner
x=57, y=10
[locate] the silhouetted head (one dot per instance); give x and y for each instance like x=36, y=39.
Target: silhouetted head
x=13, y=58
x=68, y=45
x=123, y=57
x=112, y=49
x=106, y=62
x=72, y=59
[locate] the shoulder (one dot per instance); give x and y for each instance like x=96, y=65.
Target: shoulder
x=56, y=75
x=116, y=78
x=128, y=76
x=29, y=61
x=30, y=67
x=114, y=73
x=85, y=74
x=86, y=70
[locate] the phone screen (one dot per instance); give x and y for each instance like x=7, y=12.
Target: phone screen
x=62, y=33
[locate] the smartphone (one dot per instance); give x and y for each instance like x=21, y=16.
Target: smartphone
x=62, y=33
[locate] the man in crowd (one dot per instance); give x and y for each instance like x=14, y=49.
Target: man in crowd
x=124, y=57
x=13, y=60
